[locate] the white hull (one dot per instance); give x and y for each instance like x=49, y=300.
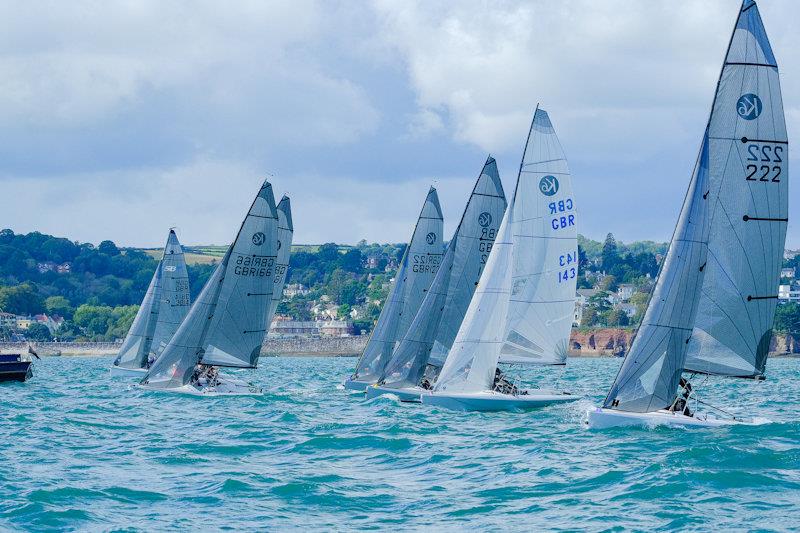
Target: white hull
x=601, y=418
x=406, y=394
x=226, y=386
x=495, y=401
x=356, y=385
x=119, y=371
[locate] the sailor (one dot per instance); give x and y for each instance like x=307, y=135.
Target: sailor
x=150, y=360
x=681, y=404
x=501, y=384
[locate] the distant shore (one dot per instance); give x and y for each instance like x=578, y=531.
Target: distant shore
x=600, y=342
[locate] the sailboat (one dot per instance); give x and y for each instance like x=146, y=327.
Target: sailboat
x=162, y=310
x=227, y=323
x=523, y=307
x=419, y=265
x=418, y=358
x=713, y=305
x=285, y=234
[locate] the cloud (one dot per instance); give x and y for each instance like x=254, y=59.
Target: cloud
x=119, y=119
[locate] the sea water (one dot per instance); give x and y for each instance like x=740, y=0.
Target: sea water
x=84, y=451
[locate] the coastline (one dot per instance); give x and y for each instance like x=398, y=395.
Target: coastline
x=594, y=343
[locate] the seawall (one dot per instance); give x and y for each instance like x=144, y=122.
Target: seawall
x=599, y=342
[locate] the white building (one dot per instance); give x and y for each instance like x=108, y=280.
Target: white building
x=788, y=272
x=787, y=294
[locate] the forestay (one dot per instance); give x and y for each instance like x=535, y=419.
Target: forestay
x=724, y=258
x=435, y=326
x=522, y=308
x=749, y=153
x=227, y=323
x=164, y=306
x=284, y=248
x=417, y=269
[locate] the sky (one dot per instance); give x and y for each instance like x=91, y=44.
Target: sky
x=119, y=120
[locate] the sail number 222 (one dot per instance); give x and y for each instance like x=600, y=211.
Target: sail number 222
x=761, y=159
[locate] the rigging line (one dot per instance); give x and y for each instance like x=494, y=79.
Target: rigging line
x=698, y=400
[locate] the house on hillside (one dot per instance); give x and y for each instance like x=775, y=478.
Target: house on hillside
x=625, y=291
x=294, y=289
x=53, y=323
x=786, y=293
x=788, y=272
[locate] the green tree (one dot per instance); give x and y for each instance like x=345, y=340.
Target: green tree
x=108, y=248
x=610, y=255
x=37, y=332
x=787, y=318
x=616, y=317
x=23, y=299
x=59, y=305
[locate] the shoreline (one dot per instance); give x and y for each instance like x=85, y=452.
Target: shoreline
x=605, y=342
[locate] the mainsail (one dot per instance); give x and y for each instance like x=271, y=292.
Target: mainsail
x=164, y=306
x=227, y=323
x=435, y=326
x=285, y=233
x=417, y=269
x=747, y=135
x=724, y=258
x=545, y=253
x=522, y=308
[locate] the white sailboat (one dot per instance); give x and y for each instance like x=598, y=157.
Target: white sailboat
x=162, y=310
x=416, y=361
x=227, y=323
x=417, y=269
x=522, y=309
x=713, y=305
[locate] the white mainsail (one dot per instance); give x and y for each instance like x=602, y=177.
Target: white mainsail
x=724, y=258
x=227, y=323
x=164, y=306
x=522, y=308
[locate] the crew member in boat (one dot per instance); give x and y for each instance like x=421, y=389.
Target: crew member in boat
x=681, y=403
x=503, y=386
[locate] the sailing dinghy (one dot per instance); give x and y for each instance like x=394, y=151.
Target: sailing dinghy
x=285, y=234
x=162, y=310
x=227, y=323
x=523, y=307
x=417, y=269
x=416, y=362
x=713, y=305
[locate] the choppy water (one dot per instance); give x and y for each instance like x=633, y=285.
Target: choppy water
x=83, y=451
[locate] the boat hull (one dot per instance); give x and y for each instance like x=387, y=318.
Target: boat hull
x=406, y=394
x=601, y=418
x=16, y=371
x=356, y=385
x=119, y=371
x=226, y=386
x=495, y=401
